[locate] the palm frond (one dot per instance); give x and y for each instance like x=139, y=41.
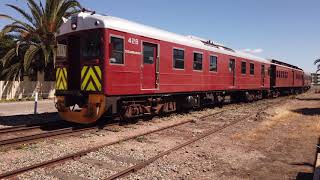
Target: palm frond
x=29, y=55
x=16, y=21
x=35, y=37
x=63, y=10
x=34, y=6
x=22, y=12
x=317, y=61
x=8, y=56
x=14, y=28
x=13, y=72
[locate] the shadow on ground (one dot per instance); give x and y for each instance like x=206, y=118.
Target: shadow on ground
x=308, y=111
x=308, y=99
x=304, y=176
x=30, y=119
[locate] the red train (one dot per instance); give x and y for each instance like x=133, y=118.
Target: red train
x=107, y=65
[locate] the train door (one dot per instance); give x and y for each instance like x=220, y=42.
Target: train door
x=293, y=77
x=273, y=75
x=149, y=66
x=232, y=70
x=263, y=74
x=74, y=63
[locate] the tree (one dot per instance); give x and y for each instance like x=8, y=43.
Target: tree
x=318, y=66
x=12, y=69
x=34, y=39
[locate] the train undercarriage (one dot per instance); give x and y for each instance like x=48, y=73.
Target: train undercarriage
x=89, y=108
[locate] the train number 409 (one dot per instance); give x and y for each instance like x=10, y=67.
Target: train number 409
x=133, y=41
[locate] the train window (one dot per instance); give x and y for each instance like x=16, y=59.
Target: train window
x=197, y=61
x=117, y=49
x=178, y=58
x=91, y=46
x=243, y=67
x=232, y=65
x=251, y=68
x=213, y=63
x=148, y=53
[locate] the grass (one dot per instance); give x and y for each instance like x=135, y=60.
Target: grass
x=141, y=139
x=27, y=147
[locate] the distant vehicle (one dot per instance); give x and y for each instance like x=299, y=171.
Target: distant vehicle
x=107, y=65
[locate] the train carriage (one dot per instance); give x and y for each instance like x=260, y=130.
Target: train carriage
x=286, y=78
x=111, y=65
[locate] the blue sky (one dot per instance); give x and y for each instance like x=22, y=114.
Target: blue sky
x=288, y=30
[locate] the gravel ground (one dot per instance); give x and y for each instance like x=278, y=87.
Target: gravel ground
x=250, y=149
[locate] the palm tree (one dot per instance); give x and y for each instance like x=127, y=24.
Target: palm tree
x=318, y=66
x=35, y=39
x=13, y=69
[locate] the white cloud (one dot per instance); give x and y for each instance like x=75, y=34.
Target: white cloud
x=254, y=51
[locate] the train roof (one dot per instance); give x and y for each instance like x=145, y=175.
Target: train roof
x=284, y=64
x=87, y=20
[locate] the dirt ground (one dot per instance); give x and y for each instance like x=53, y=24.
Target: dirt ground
x=279, y=144
x=278, y=141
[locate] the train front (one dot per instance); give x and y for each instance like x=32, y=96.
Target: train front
x=79, y=69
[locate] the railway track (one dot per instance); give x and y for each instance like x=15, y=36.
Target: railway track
x=23, y=128
x=45, y=130
x=33, y=137
x=143, y=164
x=84, y=152
x=209, y=132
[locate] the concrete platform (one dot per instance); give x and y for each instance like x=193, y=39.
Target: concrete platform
x=26, y=107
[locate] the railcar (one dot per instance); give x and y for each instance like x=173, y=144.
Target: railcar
x=286, y=78
x=107, y=65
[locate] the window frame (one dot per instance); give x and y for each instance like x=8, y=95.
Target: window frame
x=124, y=50
x=184, y=59
x=213, y=55
x=142, y=52
x=251, y=63
x=197, y=52
x=263, y=70
x=243, y=61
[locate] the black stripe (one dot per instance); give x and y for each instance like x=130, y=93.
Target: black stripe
x=97, y=74
x=85, y=73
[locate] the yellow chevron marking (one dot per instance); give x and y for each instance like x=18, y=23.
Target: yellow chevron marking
x=61, y=79
x=90, y=87
x=84, y=69
x=98, y=70
x=89, y=83
x=57, y=73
